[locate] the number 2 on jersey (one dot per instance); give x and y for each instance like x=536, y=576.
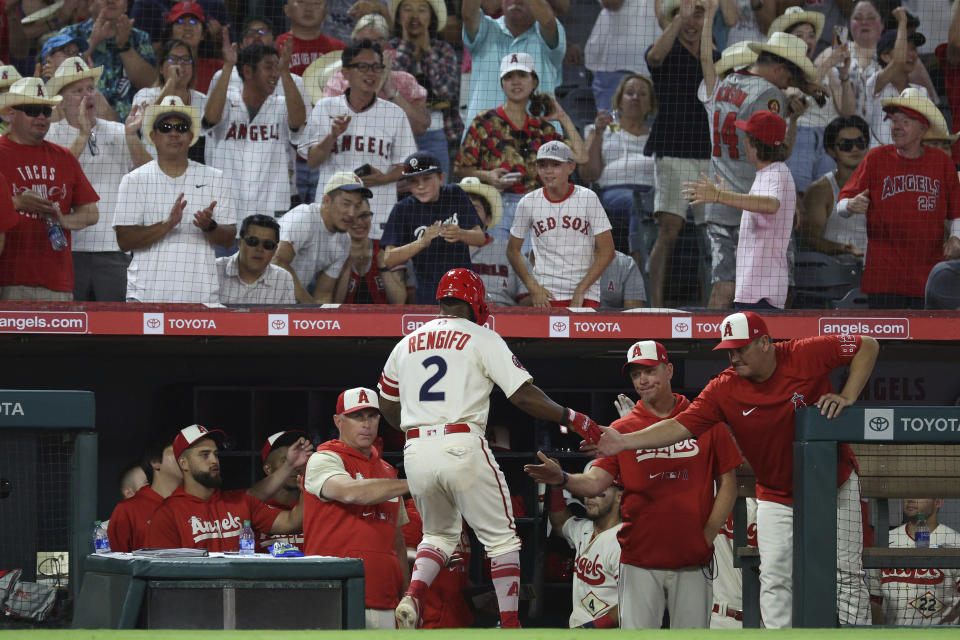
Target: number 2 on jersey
x=726, y=134
x=426, y=395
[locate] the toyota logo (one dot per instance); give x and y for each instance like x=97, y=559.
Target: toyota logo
x=153, y=323
x=559, y=326
x=681, y=326
x=879, y=424
x=278, y=324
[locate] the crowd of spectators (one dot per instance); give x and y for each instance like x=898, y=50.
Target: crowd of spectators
x=646, y=96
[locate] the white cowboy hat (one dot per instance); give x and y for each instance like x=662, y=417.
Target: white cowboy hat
x=27, y=91
x=71, y=70
x=735, y=57
x=939, y=130
x=796, y=15
x=8, y=75
x=42, y=14
x=915, y=100
x=171, y=105
x=438, y=6
x=789, y=48
x=316, y=76
x=487, y=192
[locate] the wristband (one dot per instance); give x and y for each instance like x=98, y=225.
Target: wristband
x=122, y=49
x=212, y=227
x=566, y=477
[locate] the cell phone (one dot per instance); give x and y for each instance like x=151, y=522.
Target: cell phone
x=363, y=170
x=840, y=35
x=511, y=177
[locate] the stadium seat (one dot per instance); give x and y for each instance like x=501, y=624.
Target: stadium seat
x=822, y=279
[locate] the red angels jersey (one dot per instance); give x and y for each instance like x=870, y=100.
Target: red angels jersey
x=595, y=570
x=910, y=198
x=185, y=520
x=130, y=520
x=443, y=373
x=919, y=597
x=762, y=415
x=265, y=540
x=672, y=485
x=342, y=530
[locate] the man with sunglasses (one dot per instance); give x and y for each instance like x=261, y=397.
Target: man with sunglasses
x=247, y=277
x=49, y=188
x=658, y=571
x=846, y=140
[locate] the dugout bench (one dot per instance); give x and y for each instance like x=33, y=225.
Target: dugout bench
x=903, y=452
x=123, y=591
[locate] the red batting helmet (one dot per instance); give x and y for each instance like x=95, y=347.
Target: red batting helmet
x=465, y=285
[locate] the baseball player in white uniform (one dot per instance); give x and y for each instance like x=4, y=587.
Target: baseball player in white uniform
x=436, y=388
x=917, y=597
x=728, y=579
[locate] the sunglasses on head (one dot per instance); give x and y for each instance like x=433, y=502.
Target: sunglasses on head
x=849, y=144
x=34, y=110
x=166, y=127
x=268, y=245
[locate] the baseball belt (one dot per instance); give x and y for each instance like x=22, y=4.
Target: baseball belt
x=730, y=613
x=450, y=428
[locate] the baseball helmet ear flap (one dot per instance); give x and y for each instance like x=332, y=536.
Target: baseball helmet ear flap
x=465, y=285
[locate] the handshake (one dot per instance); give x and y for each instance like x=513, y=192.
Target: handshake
x=583, y=425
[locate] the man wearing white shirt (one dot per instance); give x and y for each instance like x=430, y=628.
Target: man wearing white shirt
x=173, y=254
x=106, y=151
x=253, y=130
x=247, y=277
x=313, y=238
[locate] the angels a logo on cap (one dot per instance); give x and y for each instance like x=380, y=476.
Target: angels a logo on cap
x=78, y=66
x=513, y=58
x=363, y=397
x=40, y=91
x=6, y=75
x=637, y=351
x=728, y=330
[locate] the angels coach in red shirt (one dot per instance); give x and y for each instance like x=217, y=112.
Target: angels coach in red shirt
x=198, y=514
x=757, y=396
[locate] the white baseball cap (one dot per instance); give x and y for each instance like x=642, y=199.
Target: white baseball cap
x=740, y=329
x=555, y=150
x=356, y=399
x=514, y=61
x=647, y=353
x=281, y=439
x=348, y=181
x=189, y=436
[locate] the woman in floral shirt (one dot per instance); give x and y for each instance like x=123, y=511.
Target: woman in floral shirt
x=435, y=66
x=500, y=147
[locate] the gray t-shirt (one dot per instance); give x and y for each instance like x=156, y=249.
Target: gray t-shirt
x=621, y=281
x=739, y=96
x=502, y=283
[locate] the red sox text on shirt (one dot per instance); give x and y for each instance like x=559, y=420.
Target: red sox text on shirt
x=566, y=222
x=368, y=144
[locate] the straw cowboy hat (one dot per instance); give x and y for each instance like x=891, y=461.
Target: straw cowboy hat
x=735, y=57
x=789, y=48
x=42, y=14
x=939, y=130
x=438, y=6
x=914, y=101
x=171, y=105
x=316, y=76
x=27, y=91
x=473, y=186
x=8, y=75
x=796, y=15
x=71, y=70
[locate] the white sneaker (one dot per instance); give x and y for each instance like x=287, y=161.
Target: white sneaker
x=407, y=613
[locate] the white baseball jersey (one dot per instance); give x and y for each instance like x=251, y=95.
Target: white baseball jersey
x=255, y=152
x=274, y=286
x=236, y=85
x=563, y=238
x=443, y=373
x=621, y=280
x=318, y=250
x=738, y=96
x=728, y=579
x=596, y=569
x=380, y=136
x=181, y=266
x=918, y=597
x=105, y=160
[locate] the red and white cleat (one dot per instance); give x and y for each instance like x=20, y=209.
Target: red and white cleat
x=407, y=613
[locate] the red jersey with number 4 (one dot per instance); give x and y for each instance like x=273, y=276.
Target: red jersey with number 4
x=185, y=520
x=909, y=200
x=761, y=415
x=668, y=485
x=130, y=520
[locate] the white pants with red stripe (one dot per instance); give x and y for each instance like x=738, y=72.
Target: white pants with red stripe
x=453, y=475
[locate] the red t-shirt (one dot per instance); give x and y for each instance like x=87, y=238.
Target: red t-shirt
x=54, y=173
x=444, y=606
x=8, y=215
x=909, y=200
x=358, y=530
x=761, y=415
x=130, y=520
x=306, y=51
x=264, y=540
x=184, y=520
x=4, y=33
x=205, y=69
x=951, y=75
x=668, y=489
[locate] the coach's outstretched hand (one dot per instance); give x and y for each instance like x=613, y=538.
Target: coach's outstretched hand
x=549, y=472
x=623, y=404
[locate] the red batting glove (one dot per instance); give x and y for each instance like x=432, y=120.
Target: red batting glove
x=584, y=425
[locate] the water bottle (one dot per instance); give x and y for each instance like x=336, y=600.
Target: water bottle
x=101, y=543
x=247, y=541
x=921, y=532
x=55, y=232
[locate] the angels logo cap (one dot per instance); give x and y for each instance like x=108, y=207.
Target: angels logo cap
x=189, y=436
x=519, y=61
x=281, y=439
x=647, y=353
x=740, y=329
x=356, y=399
